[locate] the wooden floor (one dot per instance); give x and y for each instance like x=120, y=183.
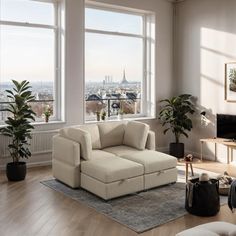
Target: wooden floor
x=30, y=208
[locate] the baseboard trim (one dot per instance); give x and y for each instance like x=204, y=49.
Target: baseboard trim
x=162, y=149
x=32, y=164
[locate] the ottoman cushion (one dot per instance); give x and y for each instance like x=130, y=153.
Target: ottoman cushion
x=111, y=169
x=152, y=160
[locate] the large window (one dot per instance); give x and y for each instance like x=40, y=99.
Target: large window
x=119, y=59
x=29, y=51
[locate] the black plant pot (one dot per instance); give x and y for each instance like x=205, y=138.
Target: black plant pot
x=16, y=171
x=177, y=150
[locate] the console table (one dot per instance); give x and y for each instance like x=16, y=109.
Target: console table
x=228, y=143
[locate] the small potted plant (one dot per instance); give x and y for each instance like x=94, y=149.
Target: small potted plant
x=47, y=113
x=121, y=114
x=98, y=114
x=175, y=115
x=18, y=128
x=103, y=116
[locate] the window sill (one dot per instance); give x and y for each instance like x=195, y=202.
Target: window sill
x=56, y=122
x=42, y=123
x=124, y=119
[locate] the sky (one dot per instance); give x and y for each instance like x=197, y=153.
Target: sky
x=28, y=53
x=110, y=55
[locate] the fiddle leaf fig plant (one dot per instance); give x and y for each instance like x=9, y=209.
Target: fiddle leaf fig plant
x=175, y=115
x=18, y=126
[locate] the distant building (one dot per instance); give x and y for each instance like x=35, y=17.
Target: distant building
x=124, y=80
x=131, y=95
x=94, y=97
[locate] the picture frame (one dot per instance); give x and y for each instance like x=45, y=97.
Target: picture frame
x=230, y=82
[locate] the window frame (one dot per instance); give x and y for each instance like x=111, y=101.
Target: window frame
x=57, y=60
x=144, y=36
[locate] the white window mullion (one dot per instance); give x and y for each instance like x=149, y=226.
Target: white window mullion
x=57, y=77
x=113, y=33
x=144, y=82
x=13, y=23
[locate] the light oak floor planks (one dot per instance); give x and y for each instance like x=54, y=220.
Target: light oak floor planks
x=29, y=208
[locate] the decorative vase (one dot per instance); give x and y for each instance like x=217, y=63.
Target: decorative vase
x=16, y=171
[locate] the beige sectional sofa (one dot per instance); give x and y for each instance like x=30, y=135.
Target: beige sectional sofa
x=111, y=159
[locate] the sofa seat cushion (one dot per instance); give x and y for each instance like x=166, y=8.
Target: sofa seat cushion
x=111, y=169
x=152, y=161
x=101, y=154
x=112, y=133
x=122, y=150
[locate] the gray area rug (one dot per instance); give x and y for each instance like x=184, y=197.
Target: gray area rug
x=139, y=212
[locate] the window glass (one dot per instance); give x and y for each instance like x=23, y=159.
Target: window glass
x=113, y=21
x=29, y=11
x=113, y=65
x=28, y=52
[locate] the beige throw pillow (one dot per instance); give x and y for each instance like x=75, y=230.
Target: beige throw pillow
x=84, y=138
x=94, y=132
x=136, y=135
x=112, y=133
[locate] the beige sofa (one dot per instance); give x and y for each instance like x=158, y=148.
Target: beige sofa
x=111, y=159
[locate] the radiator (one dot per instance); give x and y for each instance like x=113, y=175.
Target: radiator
x=41, y=142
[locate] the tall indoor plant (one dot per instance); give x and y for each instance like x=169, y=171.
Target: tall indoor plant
x=175, y=115
x=18, y=128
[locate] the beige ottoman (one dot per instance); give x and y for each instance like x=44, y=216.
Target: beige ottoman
x=211, y=229
x=110, y=177
x=159, y=168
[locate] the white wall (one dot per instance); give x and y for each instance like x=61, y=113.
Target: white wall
x=205, y=40
x=74, y=64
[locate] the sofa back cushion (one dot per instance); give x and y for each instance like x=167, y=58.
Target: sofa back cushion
x=136, y=135
x=112, y=133
x=80, y=136
x=94, y=132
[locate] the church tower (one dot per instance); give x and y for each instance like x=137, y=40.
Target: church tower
x=124, y=80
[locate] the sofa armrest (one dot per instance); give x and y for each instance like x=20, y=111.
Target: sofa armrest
x=151, y=142
x=66, y=151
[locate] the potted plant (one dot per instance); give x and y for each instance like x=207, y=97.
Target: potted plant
x=47, y=113
x=121, y=114
x=103, y=116
x=98, y=115
x=18, y=128
x=175, y=115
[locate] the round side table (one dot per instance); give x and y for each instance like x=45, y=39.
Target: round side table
x=188, y=165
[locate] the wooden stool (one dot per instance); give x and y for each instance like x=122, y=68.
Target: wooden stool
x=188, y=163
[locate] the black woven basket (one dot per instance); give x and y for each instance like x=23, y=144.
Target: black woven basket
x=202, y=198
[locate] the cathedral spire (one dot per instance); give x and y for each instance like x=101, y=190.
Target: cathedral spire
x=124, y=80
